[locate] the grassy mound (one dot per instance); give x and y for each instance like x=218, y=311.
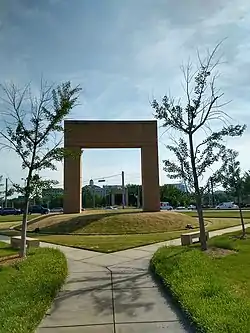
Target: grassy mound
x=28, y=288
x=116, y=222
x=214, y=290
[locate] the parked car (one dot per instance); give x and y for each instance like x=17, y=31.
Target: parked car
x=38, y=210
x=110, y=207
x=191, y=207
x=166, y=206
x=180, y=207
x=56, y=210
x=227, y=205
x=10, y=211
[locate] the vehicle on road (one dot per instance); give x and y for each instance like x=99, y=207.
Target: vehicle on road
x=110, y=207
x=56, y=210
x=165, y=206
x=10, y=211
x=191, y=207
x=180, y=207
x=38, y=209
x=227, y=205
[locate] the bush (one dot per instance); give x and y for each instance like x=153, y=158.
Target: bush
x=28, y=288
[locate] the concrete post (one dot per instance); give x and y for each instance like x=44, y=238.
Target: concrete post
x=112, y=199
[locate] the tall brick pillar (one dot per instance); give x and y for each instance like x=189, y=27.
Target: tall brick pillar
x=150, y=178
x=72, y=202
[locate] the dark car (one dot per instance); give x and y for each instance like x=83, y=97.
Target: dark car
x=10, y=211
x=38, y=210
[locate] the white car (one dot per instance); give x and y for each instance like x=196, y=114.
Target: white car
x=227, y=205
x=191, y=207
x=166, y=206
x=56, y=210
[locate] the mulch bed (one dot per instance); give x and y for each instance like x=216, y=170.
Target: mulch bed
x=10, y=260
x=217, y=252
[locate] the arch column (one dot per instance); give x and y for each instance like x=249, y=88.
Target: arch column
x=150, y=178
x=73, y=181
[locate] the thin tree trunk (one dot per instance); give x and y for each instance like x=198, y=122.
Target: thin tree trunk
x=241, y=219
x=24, y=229
x=25, y=214
x=203, y=239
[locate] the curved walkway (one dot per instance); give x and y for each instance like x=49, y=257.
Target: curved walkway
x=114, y=293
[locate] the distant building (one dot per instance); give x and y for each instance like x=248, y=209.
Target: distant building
x=112, y=188
x=94, y=188
x=182, y=187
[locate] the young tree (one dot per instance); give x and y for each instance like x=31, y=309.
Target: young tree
x=232, y=180
x=32, y=130
x=246, y=184
x=37, y=186
x=197, y=147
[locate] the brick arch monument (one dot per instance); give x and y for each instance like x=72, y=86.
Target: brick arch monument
x=80, y=134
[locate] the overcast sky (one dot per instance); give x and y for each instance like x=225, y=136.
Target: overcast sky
x=123, y=53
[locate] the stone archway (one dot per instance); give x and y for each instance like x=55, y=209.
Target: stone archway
x=80, y=134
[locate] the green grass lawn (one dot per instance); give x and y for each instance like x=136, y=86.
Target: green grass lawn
x=16, y=218
x=116, y=230
x=109, y=243
x=221, y=223
x=113, y=243
x=6, y=250
x=219, y=214
x=28, y=288
x=214, y=290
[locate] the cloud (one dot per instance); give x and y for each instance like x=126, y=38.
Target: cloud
x=123, y=55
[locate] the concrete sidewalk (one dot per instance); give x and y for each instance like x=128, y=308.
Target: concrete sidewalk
x=113, y=293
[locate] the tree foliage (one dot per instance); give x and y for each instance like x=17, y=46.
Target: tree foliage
x=37, y=186
x=231, y=178
x=32, y=129
x=170, y=193
x=192, y=121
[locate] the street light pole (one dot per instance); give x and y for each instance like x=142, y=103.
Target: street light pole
x=123, y=190
x=105, y=192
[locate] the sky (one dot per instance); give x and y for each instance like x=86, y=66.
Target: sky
x=123, y=54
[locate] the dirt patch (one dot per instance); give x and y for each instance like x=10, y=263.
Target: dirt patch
x=217, y=252
x=10, y=260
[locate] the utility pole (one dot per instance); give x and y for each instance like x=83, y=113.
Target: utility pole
x=6, y=192
x=91, y=183
x=123, y=191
